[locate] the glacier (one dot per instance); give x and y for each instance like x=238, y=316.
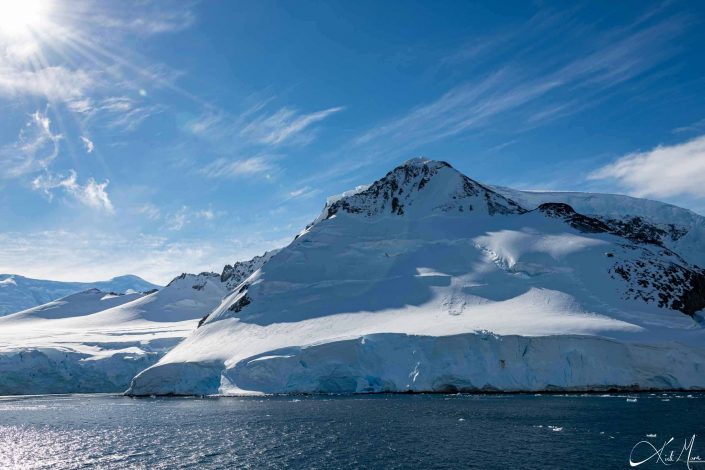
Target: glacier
x=428, y=281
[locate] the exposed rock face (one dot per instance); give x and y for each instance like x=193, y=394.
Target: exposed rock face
x=195, y=281
x=653, y=273
x=577, y=221
x=637, y=229
x=445, y=189
x=233, y=275
x=653, y=279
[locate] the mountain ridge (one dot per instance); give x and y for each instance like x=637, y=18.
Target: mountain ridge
x=19, y=293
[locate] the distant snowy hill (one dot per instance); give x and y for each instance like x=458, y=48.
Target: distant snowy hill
x=97, y=341
x=20, y=293
x=430, y=281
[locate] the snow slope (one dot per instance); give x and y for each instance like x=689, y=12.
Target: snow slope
x=680, y=229
x=429, y=281
x=74, y=305
x=20, y=293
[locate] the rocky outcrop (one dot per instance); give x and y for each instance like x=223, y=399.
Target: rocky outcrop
x=235, y=274
x=653, y=273
x=400, y=189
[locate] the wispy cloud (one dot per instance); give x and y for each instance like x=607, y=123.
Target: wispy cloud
x=210, y=124
x=146, y=18
x=55, y=83
x=262, y=166
x=36, y=147
x=92, y=194
x=185, y=215
x=302, y=193
x=115, y=112
x=463, y=108
x=510, y=89
x=34, y=152
x=502, y=145
x=149, y=210
x=88, y=144
x=206, y=214
x=178, y=220
x=698, y=126
x=520, y=93
x=217, y=125
x=255, y=131
x=664, y=171
x=284, y=125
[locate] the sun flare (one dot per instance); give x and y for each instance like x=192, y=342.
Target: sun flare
x=20, y=17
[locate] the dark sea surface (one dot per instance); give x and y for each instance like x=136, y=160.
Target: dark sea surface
x=378, y=431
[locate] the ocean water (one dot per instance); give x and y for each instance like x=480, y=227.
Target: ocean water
x=379, y=431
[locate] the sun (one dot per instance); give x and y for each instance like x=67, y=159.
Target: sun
x=21, y=17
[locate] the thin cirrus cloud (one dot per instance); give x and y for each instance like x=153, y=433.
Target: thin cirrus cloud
x=55, y=83
x=185, y=215
x=153, y=18
x=527, y=88
x=260, y=128
x=284, y=125
x=149, y=210
x=35, y=149
x=253, y=166
x=120, y=113
x=302, y=193
x=511, y=89
x=664, y=171
x=262, y=133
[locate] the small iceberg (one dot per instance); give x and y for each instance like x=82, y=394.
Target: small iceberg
x=631, y=400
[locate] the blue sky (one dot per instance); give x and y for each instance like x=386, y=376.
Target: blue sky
x=159, y=137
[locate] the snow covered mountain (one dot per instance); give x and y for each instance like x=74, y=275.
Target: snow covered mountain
x=97, y=341
x=679, y=229
x=20, y=293
x=233, y=275
x=429, y=281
